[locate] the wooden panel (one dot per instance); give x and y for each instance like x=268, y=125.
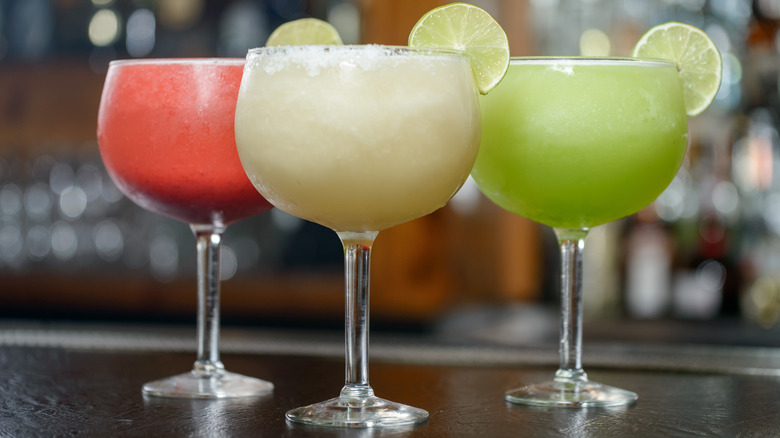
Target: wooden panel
x=48, y=103
x=390, y=21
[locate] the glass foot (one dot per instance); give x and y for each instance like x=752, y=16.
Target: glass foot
x=570, y=394
x=357, y=412
x=223, y=384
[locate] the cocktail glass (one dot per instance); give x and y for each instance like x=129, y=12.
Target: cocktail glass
x=165, y=131
x=573, y=143
x=358, y=139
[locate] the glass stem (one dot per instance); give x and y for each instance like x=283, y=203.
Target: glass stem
x=571, y=243
x=357, y=260
x=209, y=240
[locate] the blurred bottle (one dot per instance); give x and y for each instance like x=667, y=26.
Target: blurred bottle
x=648, y=267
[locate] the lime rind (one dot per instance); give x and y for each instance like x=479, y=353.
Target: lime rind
x=304, y=31
x=698, y=60
x=468, y=28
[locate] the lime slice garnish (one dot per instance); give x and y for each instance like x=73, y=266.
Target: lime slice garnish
x=698, y=60
x=467, y=28
x=304, y=31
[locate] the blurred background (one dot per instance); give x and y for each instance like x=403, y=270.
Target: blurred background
x=701, y=264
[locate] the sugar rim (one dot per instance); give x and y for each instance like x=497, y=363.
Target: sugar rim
x=589, y=60
x=179, y=61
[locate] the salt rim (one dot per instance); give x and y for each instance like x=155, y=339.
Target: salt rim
x=316, y=58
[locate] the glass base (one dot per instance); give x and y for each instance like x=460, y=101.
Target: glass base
x=570, y=394
x=223, y=384
x=357, y=412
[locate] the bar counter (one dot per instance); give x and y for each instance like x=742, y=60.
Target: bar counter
x=80, y=380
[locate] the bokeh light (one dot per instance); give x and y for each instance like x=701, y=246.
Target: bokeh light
x=594, y=42
x=104, y=27
x=140, y=33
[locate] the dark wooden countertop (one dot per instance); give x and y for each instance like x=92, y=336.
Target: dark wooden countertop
x=85, y=381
